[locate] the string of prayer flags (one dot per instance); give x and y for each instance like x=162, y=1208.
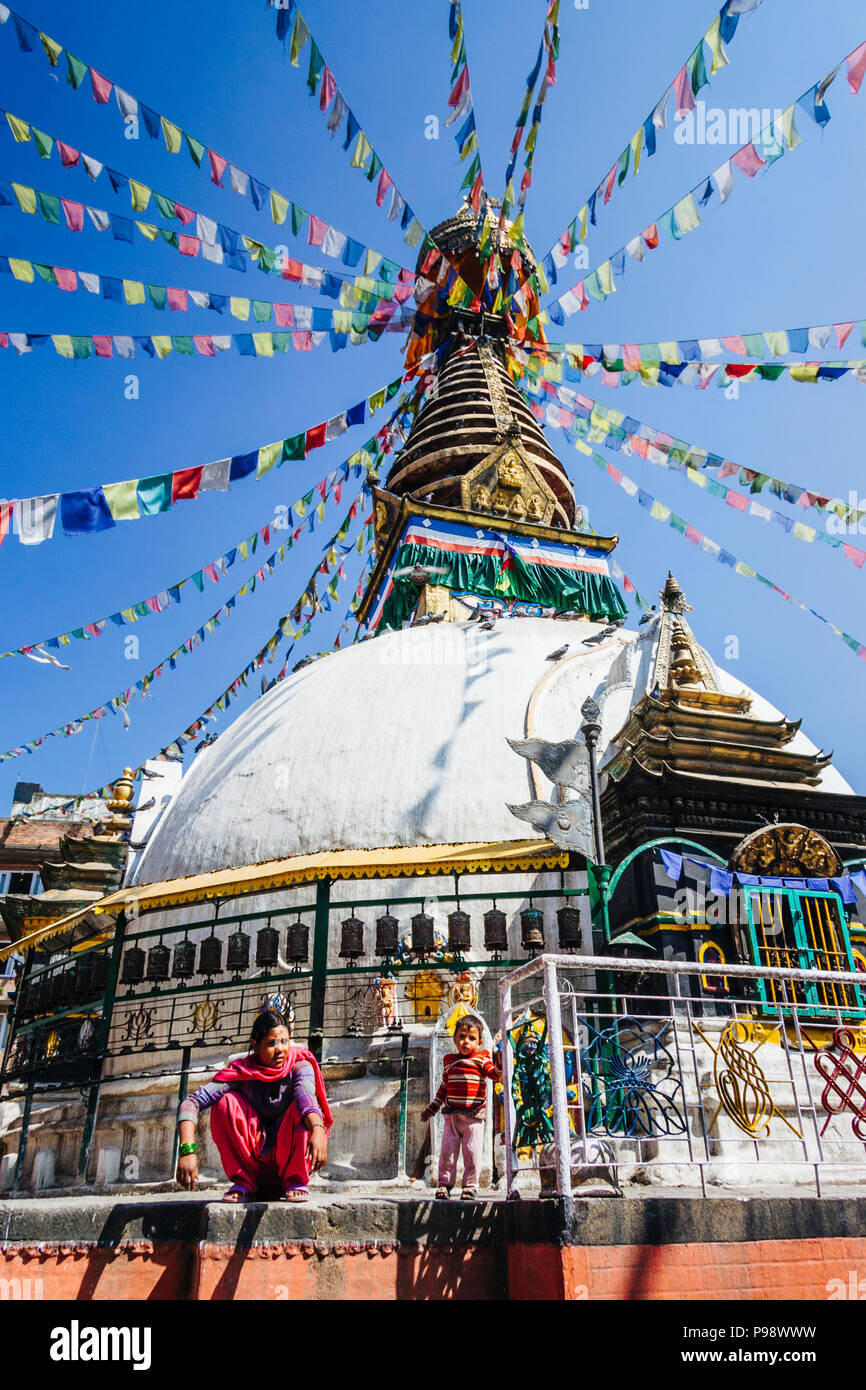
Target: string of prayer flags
x=624, y=433
x=658, y=511
x=585, y=419
x=341, y=120
x=550, y=45
x=780, y=342
x=377, y=304
x=122, y=699
x=135, y=115
x=100, y=508
x=336, y=327
x=462, y=109
x=689, y=81
x=213, y=241
x=215, y=569
x=667, y=371
x=763, y=150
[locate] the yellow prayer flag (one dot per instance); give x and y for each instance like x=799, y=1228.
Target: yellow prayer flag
x=605, y=278
x=140, y=195
x=239, y=308
x=264, y=344
x=320, y=511
x=686, y=214
x=695, y=477
x=659, y=511
x=62, y=344
x=26, y=197
x=173, y=135
x=161, y=344
x=670, y=352
x=363, y=150
x=20, y=129
x=714, y=39
x=133, y=291
x=777, y=342
x=147, y=229
x=785, y=128
x=342, y=321
x=371, y=260
x=269, y=454
x=581, y=447
x=806, y=371
x=553, y=371
x=742, y=568
x=21, y=270
x=636, y=148
x=802, y=532
x=279, y=207
x=122, y=499
x=581, y=217
x=53, y=49
x=377, y=401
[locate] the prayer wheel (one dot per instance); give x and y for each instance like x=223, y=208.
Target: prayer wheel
x=570, y=936
x=495, y=931
x=351, y=938
x=459, y=934
x=422, y=934
x=267, y=946
x=132, y=971
x=387, y=931
x=532, y=930
x=298, y=943
x=210, y=956
x=101, y=967
x=183, y=960
x=238, y=953
x=84, y=976
x=158, y=960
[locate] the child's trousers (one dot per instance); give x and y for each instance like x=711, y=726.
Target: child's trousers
x=464, y=1132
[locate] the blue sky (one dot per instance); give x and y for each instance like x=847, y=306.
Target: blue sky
x=785, y=251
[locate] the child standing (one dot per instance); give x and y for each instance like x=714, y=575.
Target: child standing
x=463, y=1093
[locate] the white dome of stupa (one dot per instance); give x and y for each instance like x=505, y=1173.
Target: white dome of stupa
x=401, y=741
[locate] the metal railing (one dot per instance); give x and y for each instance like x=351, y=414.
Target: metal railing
x=668, y=1071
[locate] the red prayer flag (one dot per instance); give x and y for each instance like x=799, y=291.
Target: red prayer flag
x=685, y=98
x=856, y=64
x=475, y=195
x=66, y=279
x=460, y=87
x=385, y=182
x=102, y=345
x=854, y=554
x=184, y=214
x=627, y=584
x=748, y=161
x=328, y=88
x=842, y=329
x=68, y=156
x=738, y=368
x=291, y=270
x=265, y=534
x=735, y=344
x=6, y=510
x=693, y=535
x=318, y=228
x=736, y=500
x=4, y=340
x=204, y=344
x=176, y=298
x=101, y=86
x=217, y=168
x=650, y=235
x=608, y=186
x=315, y=437
x=302, y=340
x=322, y=488
x=284, y=315
x=185, y=484
x=74, y=214
x=188, y=245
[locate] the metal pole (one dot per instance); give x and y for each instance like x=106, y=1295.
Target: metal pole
x=507, y=1071
x=185, y=1058
x=89, y=1128
x=404, y=1101
x=22, y=1142
x=320, y=967
x=557, y=1081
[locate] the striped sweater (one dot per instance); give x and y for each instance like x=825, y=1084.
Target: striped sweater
x=464, y=1082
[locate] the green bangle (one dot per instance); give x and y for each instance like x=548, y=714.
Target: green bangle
x=186, y=1149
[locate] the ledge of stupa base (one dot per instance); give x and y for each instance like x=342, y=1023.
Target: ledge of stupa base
x=381, y=1242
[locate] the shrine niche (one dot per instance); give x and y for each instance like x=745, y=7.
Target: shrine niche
x=508, y=484
x=789, y=849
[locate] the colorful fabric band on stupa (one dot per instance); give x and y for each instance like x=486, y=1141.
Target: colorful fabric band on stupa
x=557, y=575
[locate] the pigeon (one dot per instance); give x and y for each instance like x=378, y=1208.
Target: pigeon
x=647, y=616
x=419, y=575
x=487, y=625
x=565, y=763
x=428, y=618
x=558, y=654
x=595, y=640
x=568, y=826
x=307, y=661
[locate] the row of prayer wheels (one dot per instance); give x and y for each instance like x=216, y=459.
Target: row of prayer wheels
x=161, y=963
x=85, y=979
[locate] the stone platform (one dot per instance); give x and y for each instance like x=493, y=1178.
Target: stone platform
x=361, y=1246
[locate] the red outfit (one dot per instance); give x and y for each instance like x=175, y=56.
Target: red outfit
x=464, y=1082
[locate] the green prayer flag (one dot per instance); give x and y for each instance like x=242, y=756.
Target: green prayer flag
x=44, y=143
x=293, y=448
x=754, y=344
x=261, y=310
x=299, y=216
x=169, y=235
x=317, y=62
x=165, y=205
x=45, y=273
x=157, y=295
x=472, y=172
x=154, y=494
x=198, y=578
x=697, y=68
x=623, y=166
x=392, y=388
x=76, y=70
x=49, y=206
x=196, y=149
x=375, y=167
x=82, y=345
x=414, y=233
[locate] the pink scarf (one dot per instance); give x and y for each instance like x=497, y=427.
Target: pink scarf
x=251, y=1069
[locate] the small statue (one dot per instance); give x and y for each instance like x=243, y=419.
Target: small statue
x=386, y=995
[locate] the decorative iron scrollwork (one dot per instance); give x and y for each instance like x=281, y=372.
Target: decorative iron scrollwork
x=632, y=1082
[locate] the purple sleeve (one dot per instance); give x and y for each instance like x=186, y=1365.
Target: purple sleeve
x=305, y=1089
x=201, y=1099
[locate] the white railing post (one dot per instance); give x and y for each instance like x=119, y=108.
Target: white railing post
x=556, y=1053
x=507, y=1073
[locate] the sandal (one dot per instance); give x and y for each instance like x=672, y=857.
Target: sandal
x=443, y=1194
x=295, y=1194
x=236, y=1194
x=468, y=1194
